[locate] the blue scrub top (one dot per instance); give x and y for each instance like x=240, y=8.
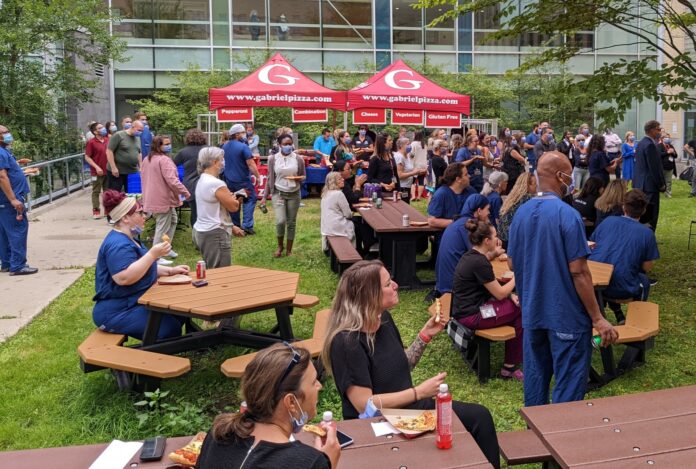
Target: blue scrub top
x=445, y=203
x=454, y=243
x=475, y=169
x=626, y=244
x=116, y=253
x=598, y=161
x=18, y=181
x=236, y=156
x=145, y=141
x=545, y=236
x=531, y=139
x=496, y=202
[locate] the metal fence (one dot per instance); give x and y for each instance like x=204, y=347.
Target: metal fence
x=57, y=178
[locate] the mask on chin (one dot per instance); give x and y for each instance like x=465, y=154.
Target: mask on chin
x=136, y=230
x=297, y=424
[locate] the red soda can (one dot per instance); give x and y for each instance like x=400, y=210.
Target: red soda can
x=200, y=270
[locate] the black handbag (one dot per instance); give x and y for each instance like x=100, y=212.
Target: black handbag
x=462, y=337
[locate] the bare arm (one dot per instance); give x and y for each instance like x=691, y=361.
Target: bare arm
x=499, y=291
x=227, y=199
x=515, y=154
x=439, y=222
x=647, y=266
x=415, y=352
x=582, y=279
x=139, y=268
x=252, y=167
x=112, y=162
x=358, y=395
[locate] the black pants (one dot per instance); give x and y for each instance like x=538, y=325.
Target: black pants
x=364, y=235
x=119, y=183
x=478, y=421
x=652, y=211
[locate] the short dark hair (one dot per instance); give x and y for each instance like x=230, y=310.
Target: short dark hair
x=158, y=143
x=138, y=115
x=325, y=131
x=651, y=124
x=282, y=137
x=195, y=137
x=93, y=127
x=339, y=165
x=453, y=171
x=635, y=203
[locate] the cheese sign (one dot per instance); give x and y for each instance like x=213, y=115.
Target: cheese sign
x=310, y=115
x=442, y=119
x=235, y=114
x=406, y=117
x=370, y=116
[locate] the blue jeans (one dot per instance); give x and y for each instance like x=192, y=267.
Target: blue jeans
x=564, y=355
x=13, y=238
x=248, y=206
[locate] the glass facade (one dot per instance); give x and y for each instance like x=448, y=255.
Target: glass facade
x=318, y=35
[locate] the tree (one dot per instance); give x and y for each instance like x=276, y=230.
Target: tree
x=45, y=46
x=664, y=26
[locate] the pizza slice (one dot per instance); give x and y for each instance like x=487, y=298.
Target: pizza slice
x=316, y=429
x=188, y=455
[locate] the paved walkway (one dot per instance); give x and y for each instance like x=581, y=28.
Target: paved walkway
x=63, y=241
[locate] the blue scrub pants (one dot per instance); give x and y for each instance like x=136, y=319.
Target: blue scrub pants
x=13, y=238
x=532, y=169
x=132, y=322
x=565, y=356
x=248, y=207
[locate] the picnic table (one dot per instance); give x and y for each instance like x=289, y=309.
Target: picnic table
x=636, y=430
x=366, y=452
x=398, y=243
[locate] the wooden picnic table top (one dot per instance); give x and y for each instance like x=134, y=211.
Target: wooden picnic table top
x=367, y=451
x=620, y=431
x=230, y=290
x=389, y=218
x=601, y=272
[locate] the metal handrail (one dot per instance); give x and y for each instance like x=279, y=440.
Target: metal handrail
x=45, y=192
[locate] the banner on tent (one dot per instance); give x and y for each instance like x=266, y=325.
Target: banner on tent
x=310, y=115
x=235, y=114
x=406, y=117
x=370, y=116
x=448, y=120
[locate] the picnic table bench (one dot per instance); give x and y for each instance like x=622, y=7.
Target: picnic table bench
x=342, y=253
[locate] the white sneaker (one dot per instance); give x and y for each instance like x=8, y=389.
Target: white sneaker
x=163, y=261
x=172, y=254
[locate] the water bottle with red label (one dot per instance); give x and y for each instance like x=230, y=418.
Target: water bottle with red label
x=443, y=404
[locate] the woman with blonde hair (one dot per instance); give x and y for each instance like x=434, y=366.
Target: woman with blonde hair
x=281, y=391
x=336, y=214
x=522, y=191
x=628, y=152
x=364, y=352
x=610, y=203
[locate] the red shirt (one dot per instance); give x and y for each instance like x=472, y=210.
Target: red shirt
x=97, y=151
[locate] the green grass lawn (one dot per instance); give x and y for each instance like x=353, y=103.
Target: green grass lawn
x=47, y=401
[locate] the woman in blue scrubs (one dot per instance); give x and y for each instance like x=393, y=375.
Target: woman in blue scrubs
x=126, y=269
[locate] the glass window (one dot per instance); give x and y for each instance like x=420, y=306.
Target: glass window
x=582, y=64
x=172, y=59
x=435, y=12
x=305, y=61
x=338, y=37
x=647, y=110
x=405, y=16
x=221, y=59
x=221, y=22
x=165, y=79
x=496, y=63
x=464, y=31
x=487, y=18
x=346, y=13
x=187, y=10
x=583, y=40
x=690, y=124
x=134, y=32
x=408, y=38
x=611, y=39
x=447, y=63
x=383, y=33
x=136, y=58
x=465, y=63
x=348, y=60
x=415, y=58
x=132, y=9
x=295, y=23
x=439, y=39
x=133, y=79
x=182, y=33
x=483, y=44
x=249, y=22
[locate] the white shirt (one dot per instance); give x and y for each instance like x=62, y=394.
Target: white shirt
x=612, y=143
x=408, y=166
x=420, y=155
x=335, y=216
x=211, y=214
x=285, y=166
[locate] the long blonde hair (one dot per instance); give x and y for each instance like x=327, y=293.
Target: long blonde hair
x=356, y=306
x=519, y=190
x=612, y=196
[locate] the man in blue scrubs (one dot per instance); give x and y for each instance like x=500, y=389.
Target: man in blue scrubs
x=631, y=248
x=529, y=142
x=239, y=166
x=548, y=253
x=14, y=226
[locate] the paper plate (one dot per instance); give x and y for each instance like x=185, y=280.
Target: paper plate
x=394, y=416
x=179, y=279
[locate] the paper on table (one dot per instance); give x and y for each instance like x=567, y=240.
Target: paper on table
x=383, y=428
x=116, y=455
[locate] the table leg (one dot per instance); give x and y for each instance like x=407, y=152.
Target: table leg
x=403, y=263
x=152, y=327
x=284, y=325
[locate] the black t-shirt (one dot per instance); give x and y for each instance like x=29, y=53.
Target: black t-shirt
x=668, y=163
x=382, y=171
x=511, y=166
x=351, y=196
x=188, y=156
x=468, y=291
x=586, y=207
x=357, y=143
x=265, y=455
x=439, y=166
x=383, y=370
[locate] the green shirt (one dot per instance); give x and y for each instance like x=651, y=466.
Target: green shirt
x=126, y=149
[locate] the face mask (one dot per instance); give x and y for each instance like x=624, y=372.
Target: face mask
x=222, y=165
x=631, y=138
x=582, y=144
x=250, y=133
x=667, y=141
x=507, y=133
x=550, y=138
x=585, y=132
x=113, y=129
x=493, y=143
x=167, y=149
x=362, y=133
x=136, y=231
x=102, y=132
x=286, y=149
x=347, y=140
x=7, y=139
x=524, y=139
x=370, y=410
x=514, y=142
x=146, y=126
x=304, y=417
x=127, y=126
x=137, y=133
x=568, y=189
x=290, y=134
x=408, y=148
x=658, y=136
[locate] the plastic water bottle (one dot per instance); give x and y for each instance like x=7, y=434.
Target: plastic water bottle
x=443, y=404
x=328, y=421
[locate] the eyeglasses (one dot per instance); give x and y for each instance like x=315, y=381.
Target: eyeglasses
x=294, y=361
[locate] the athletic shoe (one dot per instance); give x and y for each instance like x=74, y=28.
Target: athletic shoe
x=431, y=296
x=4, y=270
x=26, y=270
x=163, y=261
x=96, y=214
x=172, y=254
x=514, y=374
x=653, y=281
x=249, y=231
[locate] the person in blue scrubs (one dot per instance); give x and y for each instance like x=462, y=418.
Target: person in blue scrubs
x=455, y=242
x=448, y=199
x=14, y=226
x=631, y=248
x=473, y=159
x=126, y=269
x=530, y=140
x=239, y=166
x=548, y=251
x=146, y=136
x=498, y=181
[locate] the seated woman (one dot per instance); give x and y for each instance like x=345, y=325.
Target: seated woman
x=479, y=301
x=364, y=351
x=335, y=211
x=522, y=191
x=126, y=269
x=281, y=389
x=494, y=188
x=610, y=203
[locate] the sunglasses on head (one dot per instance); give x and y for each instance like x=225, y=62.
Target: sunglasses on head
x=294, y=361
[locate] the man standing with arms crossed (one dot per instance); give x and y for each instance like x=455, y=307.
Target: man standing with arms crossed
x=548, y=251
x=647, y=173
x=124, y=157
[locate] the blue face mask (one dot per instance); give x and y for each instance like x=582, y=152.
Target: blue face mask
x=7, y=138
x=409, y=148
x=513, y=142
x=550, y=138
x=347, y=140
x=632, y=138
x=102, y=132
x=582, y=144
x=146, y=126
x=524, y=139
x=113, y=129
x=585, y=132
x=286, y=149
x=493, y=143
x=667, y=141
x=370, y=410
x=167, y=149
x=127, y=126
x=507, y=133
x=137, y=133
x=304, y=417
x=362, y=132
x=136, y=231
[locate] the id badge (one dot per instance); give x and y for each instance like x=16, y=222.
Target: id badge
x=477, y=172
x=487, y=311
x=671, y=159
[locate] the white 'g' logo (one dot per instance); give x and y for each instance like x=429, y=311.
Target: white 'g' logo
x=265, y=71
x=389, y=80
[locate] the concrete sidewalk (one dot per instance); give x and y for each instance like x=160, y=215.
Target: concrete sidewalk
x=63, y=241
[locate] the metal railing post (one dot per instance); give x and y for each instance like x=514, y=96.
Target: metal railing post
x=67, y=176
x=50, y=183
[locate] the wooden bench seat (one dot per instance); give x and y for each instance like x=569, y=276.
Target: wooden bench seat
x=305, y=301
x=99, y=338
x=343, y=253
x=136, y=361
x=522, y=447
x=234, y=367
x=497, y=334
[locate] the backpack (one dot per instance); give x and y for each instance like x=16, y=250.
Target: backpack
x=687, y=174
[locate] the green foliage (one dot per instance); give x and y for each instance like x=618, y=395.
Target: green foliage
x=44, y=46
x=160, y=416
x=614, y=86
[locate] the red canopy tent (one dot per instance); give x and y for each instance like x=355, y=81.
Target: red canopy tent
x=276, y=84
x=407, y=93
